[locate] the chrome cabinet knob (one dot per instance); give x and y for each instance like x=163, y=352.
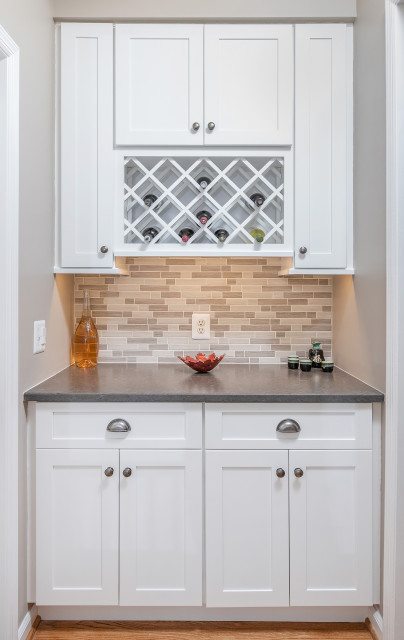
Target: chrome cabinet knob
x=298, y=472
x=127, y=472
x=119, y=425
x=288, y=426
x=303, y=250
x=211, y=126
x=109, y=472
x=196, y=126
x=104, y=249
x=280, y=473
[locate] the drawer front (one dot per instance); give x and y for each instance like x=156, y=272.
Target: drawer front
x=322, y=426
x=152, y=425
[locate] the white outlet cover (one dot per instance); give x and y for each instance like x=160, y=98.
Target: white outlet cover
x=201, y=326
x=39, y=336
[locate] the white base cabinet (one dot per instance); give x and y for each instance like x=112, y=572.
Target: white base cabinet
x=291, y=518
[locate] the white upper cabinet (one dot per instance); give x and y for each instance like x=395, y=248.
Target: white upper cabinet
x=248, y=84
x=159, y=84
x=323, y=145
x=86, y=145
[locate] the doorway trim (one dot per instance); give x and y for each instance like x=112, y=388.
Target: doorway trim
x=9, y=213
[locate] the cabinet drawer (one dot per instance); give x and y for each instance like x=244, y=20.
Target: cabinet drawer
x=322, y=426
x=152, y=425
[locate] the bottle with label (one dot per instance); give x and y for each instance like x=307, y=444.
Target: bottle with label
x=222, y=235
x=85, y=339
x=316, y=354
x=203, y=182
x=149, y=234
x=258, y=199
x=203, y=216
x=186, y=233
x=150, y=199
x=257, y=234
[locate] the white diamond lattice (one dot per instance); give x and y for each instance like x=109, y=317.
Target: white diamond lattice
x=173, y=181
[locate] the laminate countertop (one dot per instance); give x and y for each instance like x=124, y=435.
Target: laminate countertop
x=178, y=383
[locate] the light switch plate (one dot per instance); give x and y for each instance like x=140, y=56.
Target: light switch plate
x=39, y=336
x=201, y=326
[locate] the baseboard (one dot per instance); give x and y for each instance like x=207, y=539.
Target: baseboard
x=375, y=623
x=28, y=623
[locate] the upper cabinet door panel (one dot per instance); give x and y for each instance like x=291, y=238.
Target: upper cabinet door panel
x=322, y=153
x=249, y=84
x=159, y=84
x=86, y=161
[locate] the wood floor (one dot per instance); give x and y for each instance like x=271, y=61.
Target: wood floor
x=200, y=631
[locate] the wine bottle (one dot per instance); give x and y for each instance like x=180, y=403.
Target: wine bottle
x=257, y=234
x=221, y=234
x=203, y=216
x=258, y=199
x=186, y=233
x=203, y=182
x=150, y=199
x=85, y=340
x=149, y=234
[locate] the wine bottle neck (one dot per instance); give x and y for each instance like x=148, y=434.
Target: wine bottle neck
x=86, y=305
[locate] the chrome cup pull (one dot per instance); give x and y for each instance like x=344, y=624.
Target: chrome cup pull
x=119, y=425
x=288, y=426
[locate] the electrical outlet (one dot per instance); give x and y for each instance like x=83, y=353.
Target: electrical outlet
x=39, y=336
x=201, y=326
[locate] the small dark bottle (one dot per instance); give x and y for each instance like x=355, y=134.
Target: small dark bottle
x=203, y=182
x=149, y=234
x=221, y=235
x=150, y=199
x=316, y=354
x=258, y=199
x=203, y=216
x=186, y=234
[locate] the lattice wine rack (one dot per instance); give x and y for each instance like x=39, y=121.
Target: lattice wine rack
x=163, y=194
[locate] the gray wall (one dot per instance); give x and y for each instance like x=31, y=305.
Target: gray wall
x=42, y=297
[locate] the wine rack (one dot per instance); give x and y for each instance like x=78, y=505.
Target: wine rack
x=178, y=198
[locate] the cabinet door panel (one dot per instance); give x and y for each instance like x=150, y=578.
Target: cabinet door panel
x=321, y=146
x=159, y=84
x=249, y=84
x=247, y=551
x=86, y=113
x=161, y=528
x=77, y=527
x=331, y=528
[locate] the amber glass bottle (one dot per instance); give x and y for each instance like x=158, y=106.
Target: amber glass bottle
x=85, y=340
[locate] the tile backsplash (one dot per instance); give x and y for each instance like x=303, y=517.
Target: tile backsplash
x=257, y=317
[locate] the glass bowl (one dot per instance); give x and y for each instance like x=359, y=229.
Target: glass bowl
x=202, y=363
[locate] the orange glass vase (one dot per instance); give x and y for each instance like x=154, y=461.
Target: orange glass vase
x=85, y=340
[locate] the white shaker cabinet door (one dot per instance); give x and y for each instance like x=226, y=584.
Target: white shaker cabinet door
x=77, y=527
x=159, y=84
x=330, y=528
x=248, y=84
x=86, y=152
x=161, y=528
x=247, y=529
x=323, y=145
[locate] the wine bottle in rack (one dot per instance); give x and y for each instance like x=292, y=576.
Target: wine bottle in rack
x=186, y=233
x=203, y=216
x=203, y=181
x=149, y=234
x=221, y=235
x=257, y=234
x=258, y=199
x=150, y=199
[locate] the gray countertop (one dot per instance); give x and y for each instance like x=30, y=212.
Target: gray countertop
x=178, y=383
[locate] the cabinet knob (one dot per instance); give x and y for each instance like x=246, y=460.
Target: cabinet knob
x=280, y=473
x=196, y=126
x=104, y=249
x=119, y=425
x=288, y=426
x=127, y=472
x=211, y=126
x=303, y=250
x=298, y=472
x=109, y=472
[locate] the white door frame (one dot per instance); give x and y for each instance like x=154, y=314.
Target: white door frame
x=9, y=170
x=393, y=552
